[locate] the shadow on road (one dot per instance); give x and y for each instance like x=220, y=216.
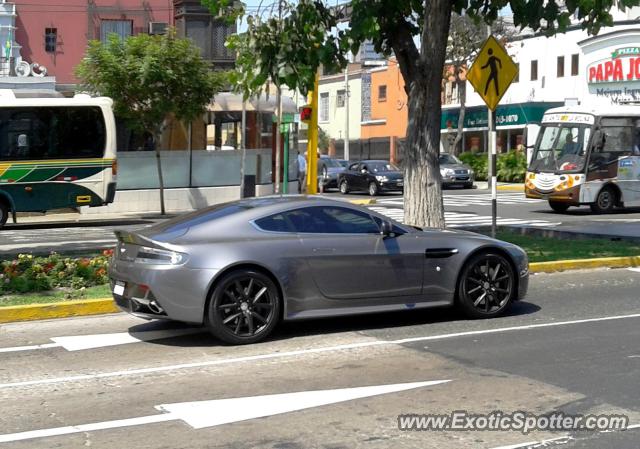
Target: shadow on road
x=325, y=326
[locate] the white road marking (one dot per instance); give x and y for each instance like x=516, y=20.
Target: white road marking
x=82, y=342
x=634, y=356
x=201, y=414
x=538, y=444
x=637, y=270
x=301, y=352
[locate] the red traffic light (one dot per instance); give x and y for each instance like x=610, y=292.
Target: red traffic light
x=305, y=113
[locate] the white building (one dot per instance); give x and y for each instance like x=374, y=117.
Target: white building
x=332, y=102
x=569, y=68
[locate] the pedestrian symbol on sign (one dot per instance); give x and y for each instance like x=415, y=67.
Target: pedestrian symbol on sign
x=492, y=64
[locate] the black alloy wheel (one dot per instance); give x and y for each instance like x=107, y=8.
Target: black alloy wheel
x=344, y=187
x=244, y=307
x=605, y=201
x=486, y=286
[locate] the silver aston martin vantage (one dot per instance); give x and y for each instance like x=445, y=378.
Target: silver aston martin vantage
x=241, y=267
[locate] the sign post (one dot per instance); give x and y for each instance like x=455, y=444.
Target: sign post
x=491, y=74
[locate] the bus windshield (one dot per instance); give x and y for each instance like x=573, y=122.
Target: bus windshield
x=561, y=148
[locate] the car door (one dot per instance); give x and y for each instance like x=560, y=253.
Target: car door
x=362, y=177
x=350, y=174
x=350, y=259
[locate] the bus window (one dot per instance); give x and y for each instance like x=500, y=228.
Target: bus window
x=28, y=133
x=618, y=142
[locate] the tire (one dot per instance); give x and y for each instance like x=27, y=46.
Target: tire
x=605, y=201
x=558, y=206
x=344, y=187
x=482, y=295
x=373, y=189
x=244, y=307
x=4, y=213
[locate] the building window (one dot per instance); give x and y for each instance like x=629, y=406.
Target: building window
x=575, y=61
x=340, y=99
x=123, y=28
x=534, y=70
x=560, y=68
x=50, y=39
x=324, y=107
x=382, y=93
x=517, y=77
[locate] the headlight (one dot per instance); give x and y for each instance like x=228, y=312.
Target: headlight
x=446, y=172
x=159, y=256
x=382, y=178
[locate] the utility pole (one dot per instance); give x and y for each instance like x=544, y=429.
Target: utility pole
x=492, y=175
x=346, y=112
x=312, y=145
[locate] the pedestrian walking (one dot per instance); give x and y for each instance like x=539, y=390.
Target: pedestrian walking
x=302, y=172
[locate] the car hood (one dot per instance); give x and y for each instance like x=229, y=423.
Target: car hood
x=334, y=170
x=455, y=166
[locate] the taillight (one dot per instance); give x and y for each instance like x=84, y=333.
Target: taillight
x=114, y=167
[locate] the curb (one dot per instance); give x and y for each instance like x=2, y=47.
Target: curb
x=363, y=202
x=581, y=264
x=87, y=307
x=62, y=309
x=511, y=188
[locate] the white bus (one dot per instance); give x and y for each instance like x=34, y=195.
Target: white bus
x=55, y=152
x=587, y=156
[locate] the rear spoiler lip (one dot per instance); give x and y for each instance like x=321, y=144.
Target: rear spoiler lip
x=137, y=239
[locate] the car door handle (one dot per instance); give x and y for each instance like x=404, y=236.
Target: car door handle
x=324, y=250
x=440, y=253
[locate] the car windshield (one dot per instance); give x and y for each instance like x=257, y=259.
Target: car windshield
x=330, y=162
x=561, y=148
x=381, y=167
x=449, y=159
x=343, y=162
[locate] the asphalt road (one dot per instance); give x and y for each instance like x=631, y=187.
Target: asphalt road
x=464, y=208
x=116, y=381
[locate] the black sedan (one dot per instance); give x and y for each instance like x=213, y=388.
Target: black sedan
x=371, y=176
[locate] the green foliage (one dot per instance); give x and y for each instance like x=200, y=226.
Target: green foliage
x=34, y=274
x=511, y=166
x=150, y=77
x=323, y=140
x=478, y=162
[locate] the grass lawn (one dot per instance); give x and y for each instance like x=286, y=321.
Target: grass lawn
x=97, y=292
x=542, y=249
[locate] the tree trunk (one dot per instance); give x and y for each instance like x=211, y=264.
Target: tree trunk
x=462, y=96
x=423, y=184
x=157, y=137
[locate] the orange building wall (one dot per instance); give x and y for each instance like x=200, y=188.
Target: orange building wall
x=394, y=109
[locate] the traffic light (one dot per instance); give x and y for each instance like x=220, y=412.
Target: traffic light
x=305, y=113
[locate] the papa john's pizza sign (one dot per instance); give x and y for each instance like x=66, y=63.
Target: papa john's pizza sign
x=623, y=66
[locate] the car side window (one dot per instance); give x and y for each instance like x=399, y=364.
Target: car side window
x=396, y=229
x=353, y=167
x=331, y=220
x=273, y=223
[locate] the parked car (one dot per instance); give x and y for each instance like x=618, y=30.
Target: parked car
x=328, y=170
x=241, y=267
x=454, y=172
x=371, y=176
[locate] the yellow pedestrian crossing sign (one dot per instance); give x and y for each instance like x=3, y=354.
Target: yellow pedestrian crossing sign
x=492, y=72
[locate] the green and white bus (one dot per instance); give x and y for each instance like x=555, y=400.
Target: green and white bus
x=55, y=152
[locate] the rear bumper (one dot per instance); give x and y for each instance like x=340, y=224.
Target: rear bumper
x=181, y=292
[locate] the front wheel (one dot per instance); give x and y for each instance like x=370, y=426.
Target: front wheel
x=373, y=189
x=486, y=286
x=4, y=213
x=344, y=187
x=244, y=307
x=605, y=201
x=558, y=207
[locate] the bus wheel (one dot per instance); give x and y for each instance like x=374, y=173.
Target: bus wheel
x=605, y=201
x=558, y=207
x=4, y=213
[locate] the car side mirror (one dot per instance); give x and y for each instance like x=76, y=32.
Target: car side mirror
x=364, y=170
x=386, y=229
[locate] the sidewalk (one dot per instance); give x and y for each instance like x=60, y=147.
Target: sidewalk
x=502, y=186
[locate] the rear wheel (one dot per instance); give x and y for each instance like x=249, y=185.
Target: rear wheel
x=4, y=213
x=486, y=286
x=244, y=307
x=558, y=207
x=344, y=187
x=373, y=189
x=605, y=201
